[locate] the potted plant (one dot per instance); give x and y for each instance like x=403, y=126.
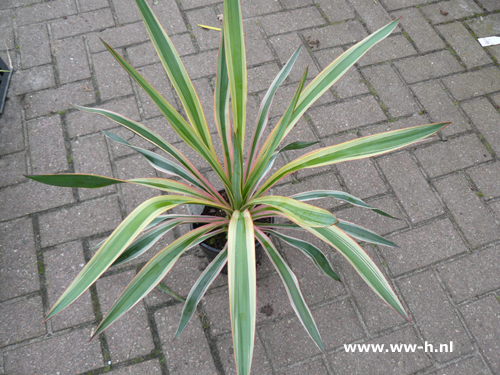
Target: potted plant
x=243, y=173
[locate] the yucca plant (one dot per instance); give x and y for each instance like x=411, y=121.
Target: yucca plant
x=242, y=172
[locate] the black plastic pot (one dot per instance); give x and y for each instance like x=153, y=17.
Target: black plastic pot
x=4, y=83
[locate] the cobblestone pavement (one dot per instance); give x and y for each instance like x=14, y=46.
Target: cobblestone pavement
x=445, y=189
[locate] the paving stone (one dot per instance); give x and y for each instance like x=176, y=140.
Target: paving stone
x=47, y=150
x=490, y=5
x=135, y=167
x=337, y=323
x=454, y=154
x=398, y=4
x=257, y=50
x=279, y=23
x=82, y=123
x=145, y=54
x=464, y=44
x=455, y=9
x=433, y=65
x=150, y=367
x=260, y=363
x=483, y=317
x=434, y=315
x=130, y=336
x=21, y=320
x=375, y=222
x=206, y=39
x=71, y=58
x=11, y=127
x=315, y=367
x=85, y=219
x=414, y=120
x=351, y=83
x=62, y=264
x=189, y=353
x=484, y=26
x=391, y=48
x=12, y=169
x=90, y=155
x=471, y=84
x=188, y=4
x=18, y=264
x=53, y=100
x=112, y=80
x=43, y=11
x=261, y=77
x=337, y=35
x=9, y=39
x=487, y=119
x=285, y=46
x=34, y=45
x=62, y=353
x=387, y=363
x=34, y=79
x=347, y=115
x=373, y=14
x=410, y=187
x=336, y=10
x=169, y=16
x=419, y=30
x=202, y=64
x=88, y=5
x=478, y=268
x=471, y=365
x=252, y=8
x=486, y=179
x=475, y=221
x=393, y=93
x=82, y=23
x=126, y=12
x=422, y=246
x=6, y=18
x=117, y=37
x=440, y=107
x=206, y=96
x=495, y=207
x=11, y=206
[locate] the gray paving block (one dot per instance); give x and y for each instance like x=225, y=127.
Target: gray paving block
x=257, y=50
x=89, y=5
x=414, y=120
x=189, y=353
x=486, y=179
x=490, y=5
x=387, y=362
x=282, y=22
x=398, y=4
x=432, y=65
x=90, y=155
x=34, y=79
x=19, y=270
x=470, y=276
x=34, y=45
x=373, y=14
x=465, y=45
x=422, y=246
x=252, y=8
x=475, y=221
x=71, y=59
x=169, y=16
x=454, y=9
x=410, y=187
x=457, y=153
x=82, y=123
x=82, y=23
x=145, y=54
x=11, y=129
x=471, y=84
x=117, y=37
x=188, y=4
x=260, y=363
x=61, y=353
x=130, y=336
x=484, y=26
x=261, y=77
x=85, y=219
x=62, y=264
x=150, y=367
x=338, y=34
x=32, y=192
x=471, y=365
x=21, y=320
x=440, y=107
x=486, y=118
x=112, y=80
x=392, y=92
x=391, y=48
x=34, y=13
x=206, y=39
x=47, y=149
x=44, y=102
x=336, y=10
x=346, y=116
x=482, y=318
x=12, y=168
x=202, y=64
x=316, y=367
x=125, y=11
x=435, y=315
x=421, y=33
x=8, y=4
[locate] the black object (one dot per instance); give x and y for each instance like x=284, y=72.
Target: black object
x=4, y=83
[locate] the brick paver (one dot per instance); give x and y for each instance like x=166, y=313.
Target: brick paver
x=445, y=190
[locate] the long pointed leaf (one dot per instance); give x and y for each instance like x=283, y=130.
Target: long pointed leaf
x=292, y=288
x=364, y=234
x=200, y=287
x=242, y=288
